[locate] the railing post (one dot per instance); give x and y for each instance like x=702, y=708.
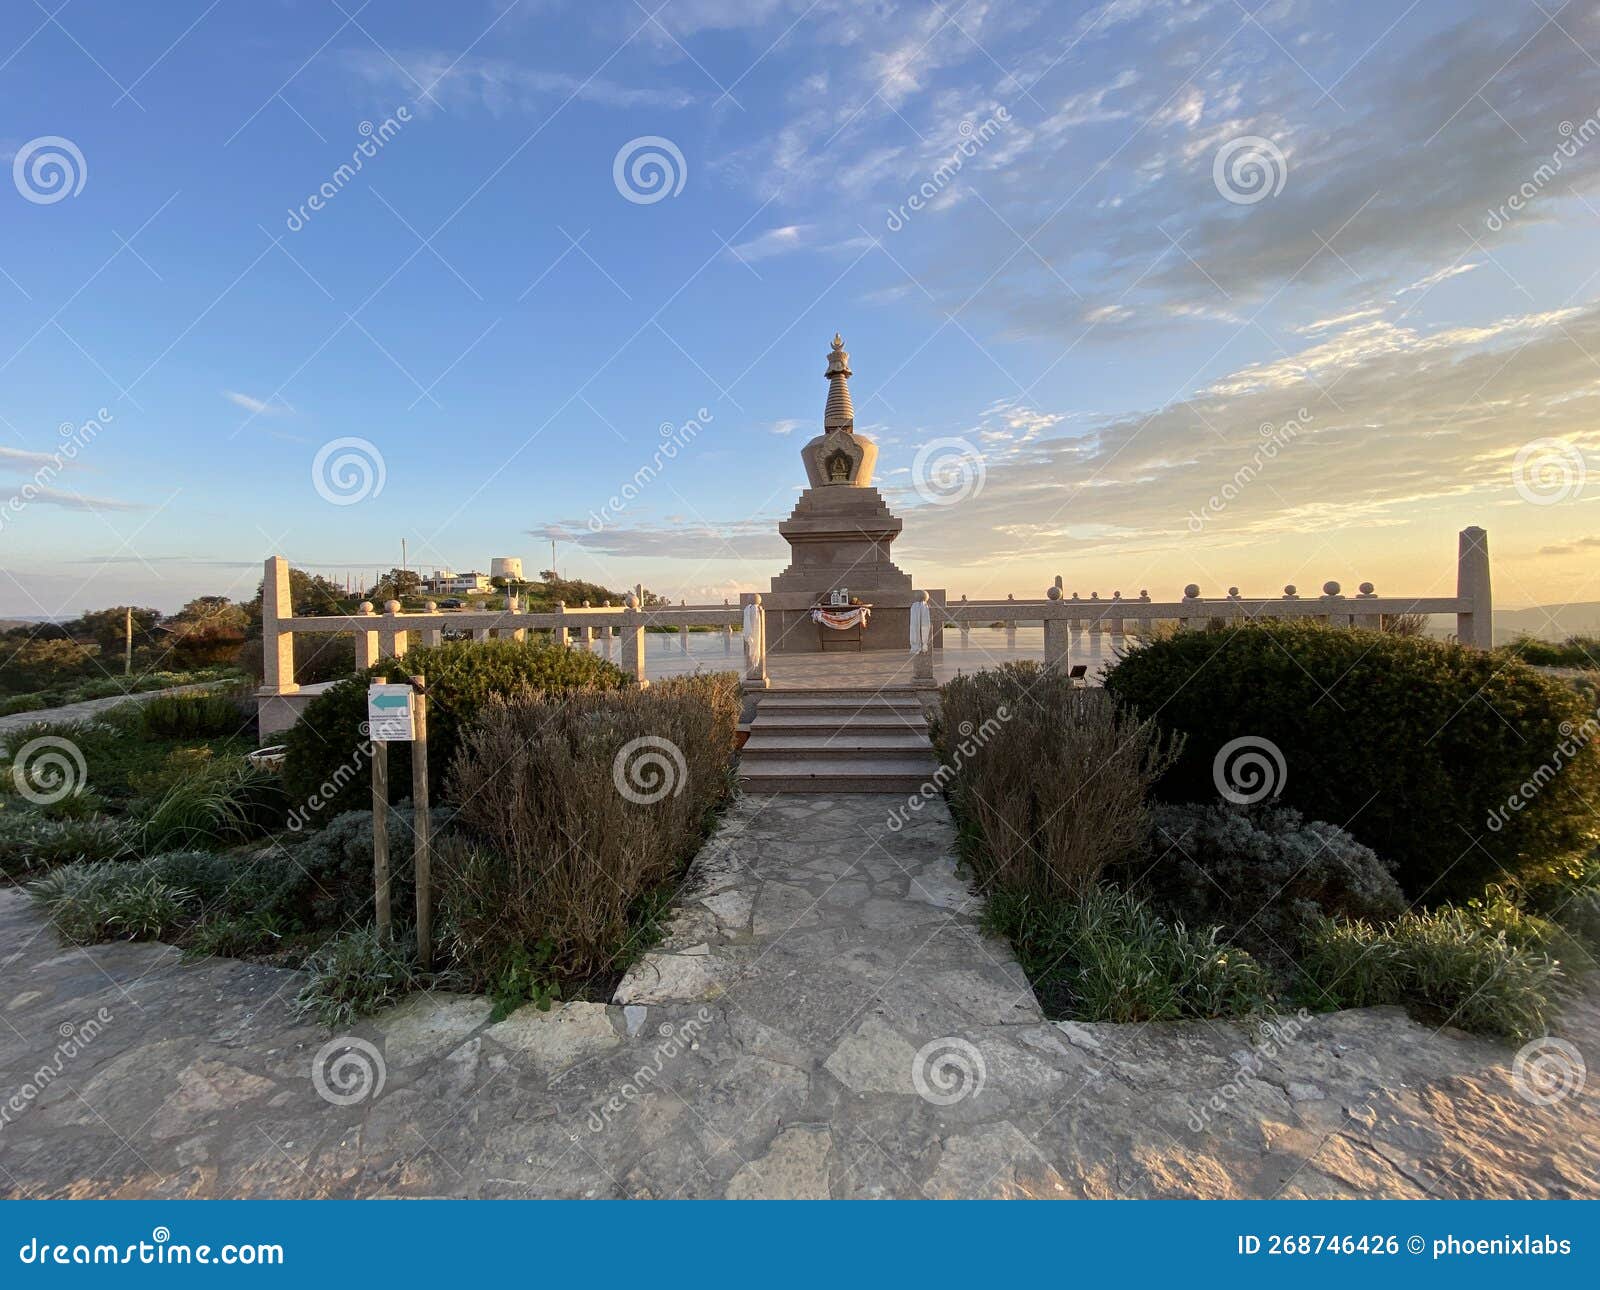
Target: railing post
x=608, y=633
x=1333, y=599
x=367, y=653
x=1011, y=630
x=1191, y=622
x=586, y=633
x=727, y=632
x=632, y=659
x=1371, y=622
x=432, y=635
x=755, y=645
x=559, y=634
x=277, y=645
x=1475, y=614
x=966, y=627
x=1114, y=625
x=395, y=639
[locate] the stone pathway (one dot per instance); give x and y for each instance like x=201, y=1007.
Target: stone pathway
x=91, y=707
x=824, y=1019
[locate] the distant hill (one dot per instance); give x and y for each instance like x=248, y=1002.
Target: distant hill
x=1548, y=623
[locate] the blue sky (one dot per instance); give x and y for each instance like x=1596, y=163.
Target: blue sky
x=1078, y=302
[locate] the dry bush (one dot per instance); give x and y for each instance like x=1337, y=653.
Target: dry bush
x=1051, y=777
x=575, y=811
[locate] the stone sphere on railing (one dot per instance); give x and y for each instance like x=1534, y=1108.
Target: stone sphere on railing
x=1192, y=591
x=1233, y=593
x=1289, y=592
x=1116, y=595
x=432, y=606
x=366, y=607
x=1051, y=593
x=1094, y=595
x=1143, y=594
x=1330, y=588
x=631, y=601
x=1367, y=589
x=391, y=606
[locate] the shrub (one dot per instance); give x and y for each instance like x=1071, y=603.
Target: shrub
x=1265, y=875
x=462, y=675
x=1575, y=651
x=31, y=842
x=196, y=715
x=1446, y=962
x=1050, y=778
x=228, y=801
x=1414, y=745
x=555, y=850
x=337, y=864
x=356, y=974
x=1105, y=955
x=318, y=657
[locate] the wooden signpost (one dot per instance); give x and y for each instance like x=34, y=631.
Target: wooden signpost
x=398, y=713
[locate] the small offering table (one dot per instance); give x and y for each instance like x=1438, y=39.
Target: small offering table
x=841, y=619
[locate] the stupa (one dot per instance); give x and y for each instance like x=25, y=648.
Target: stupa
x=839, y=536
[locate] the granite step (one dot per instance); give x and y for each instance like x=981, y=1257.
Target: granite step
x=765, y=742
x=864, y=723
x=897, y=774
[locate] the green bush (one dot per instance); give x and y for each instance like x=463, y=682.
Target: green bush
x=1449, y=962
x=1575, y=651
x=329, y=739
x=1416, y=746
x=1105, y=955
x=1265, y=875
x=337, y=863
x=356, y=974
x=575, y=811
x=1049, y=779
x=195, y=715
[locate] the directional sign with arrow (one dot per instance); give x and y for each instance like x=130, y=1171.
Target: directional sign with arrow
x=390, y=715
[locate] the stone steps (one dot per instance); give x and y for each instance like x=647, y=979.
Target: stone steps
x=837, y=741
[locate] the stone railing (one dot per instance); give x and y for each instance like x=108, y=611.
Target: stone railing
x=1061, y=614
x=604, y=628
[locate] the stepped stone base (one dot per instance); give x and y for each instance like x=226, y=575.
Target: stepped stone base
x=837, y=741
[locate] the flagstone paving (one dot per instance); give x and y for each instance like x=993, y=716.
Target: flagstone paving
x=825, y=1018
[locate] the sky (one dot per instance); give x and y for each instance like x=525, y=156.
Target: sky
x=1138, y=293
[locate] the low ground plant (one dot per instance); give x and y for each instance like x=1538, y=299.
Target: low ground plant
x=31, y=842
x=200, y=714
x=357, y=973
x=1453, y=964
x=1106, y=955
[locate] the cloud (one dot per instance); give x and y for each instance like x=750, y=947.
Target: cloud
x=775, y=241
x=497, y=86
x=255, y=406
x=1570, y=548
x=788, y=425
x=22, y=458
x=43, y=495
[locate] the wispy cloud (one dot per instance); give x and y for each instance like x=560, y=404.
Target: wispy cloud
x=255, y=406
x=775, y=241
x=498, y=86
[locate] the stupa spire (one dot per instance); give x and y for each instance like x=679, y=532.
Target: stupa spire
x=839, y=413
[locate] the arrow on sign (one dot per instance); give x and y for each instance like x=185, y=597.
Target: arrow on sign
x=390, y=701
